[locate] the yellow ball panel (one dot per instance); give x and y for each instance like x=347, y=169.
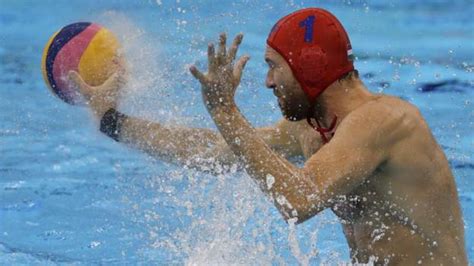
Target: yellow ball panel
x=97, y=63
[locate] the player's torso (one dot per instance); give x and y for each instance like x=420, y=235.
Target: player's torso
x=407, y=206
x=416, y=219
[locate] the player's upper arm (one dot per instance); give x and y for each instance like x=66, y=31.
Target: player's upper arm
x=283, y=137
x=362, y=142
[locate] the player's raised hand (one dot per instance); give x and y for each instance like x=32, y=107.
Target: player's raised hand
x=224, y=75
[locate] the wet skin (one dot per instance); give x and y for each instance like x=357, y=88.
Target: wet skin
x=406, y=210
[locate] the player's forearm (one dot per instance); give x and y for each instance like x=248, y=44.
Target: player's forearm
x=191, y=146
x=164, y=141
x=295, y=194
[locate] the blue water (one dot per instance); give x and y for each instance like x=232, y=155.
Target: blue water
x=70, y=195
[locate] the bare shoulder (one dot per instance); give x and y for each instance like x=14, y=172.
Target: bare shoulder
x=383, y=121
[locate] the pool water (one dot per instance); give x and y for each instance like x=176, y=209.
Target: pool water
x=70, y=195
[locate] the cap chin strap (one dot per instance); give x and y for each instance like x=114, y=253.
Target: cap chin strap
x=321, y=130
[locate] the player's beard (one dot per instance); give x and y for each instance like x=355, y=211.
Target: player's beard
x=291, y=114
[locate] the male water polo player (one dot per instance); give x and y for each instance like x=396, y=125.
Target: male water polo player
x=371, y=158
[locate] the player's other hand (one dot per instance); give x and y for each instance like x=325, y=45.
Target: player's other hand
x=100, y=98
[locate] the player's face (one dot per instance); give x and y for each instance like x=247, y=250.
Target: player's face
x=291, y=97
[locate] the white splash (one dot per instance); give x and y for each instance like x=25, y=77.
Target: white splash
x=146, y=81
x=270, y=180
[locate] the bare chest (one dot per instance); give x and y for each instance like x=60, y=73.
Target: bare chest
x=364, y=201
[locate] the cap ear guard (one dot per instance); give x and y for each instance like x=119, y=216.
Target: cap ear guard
x=313, y=65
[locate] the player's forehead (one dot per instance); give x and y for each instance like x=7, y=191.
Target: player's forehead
x=271, y=55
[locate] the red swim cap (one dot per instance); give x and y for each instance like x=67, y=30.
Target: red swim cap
x=316, y=47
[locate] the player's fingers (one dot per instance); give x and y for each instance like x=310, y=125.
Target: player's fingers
x=235, y=46
x=198, y=75
x=112, y=84
x=211, y=57
x=222, y=49
x=84, y=88
x=239, y=67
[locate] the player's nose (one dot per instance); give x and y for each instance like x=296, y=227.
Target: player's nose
x=269, y=82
